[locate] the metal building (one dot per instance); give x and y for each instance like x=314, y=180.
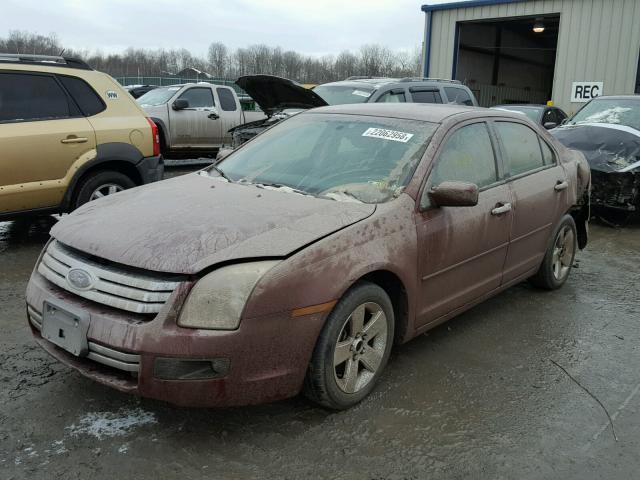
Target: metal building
x=532, y=51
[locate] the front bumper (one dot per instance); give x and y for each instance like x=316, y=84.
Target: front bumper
x=267, y=356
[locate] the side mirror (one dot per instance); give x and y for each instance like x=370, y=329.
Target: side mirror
x=454, y=194
x=180, y=104
x=550, y=125
x=223, y=153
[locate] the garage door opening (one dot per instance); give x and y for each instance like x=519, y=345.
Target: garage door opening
x=508, y=61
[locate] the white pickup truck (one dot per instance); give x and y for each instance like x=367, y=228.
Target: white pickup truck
x=195, y=118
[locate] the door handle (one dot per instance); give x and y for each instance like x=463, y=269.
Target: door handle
x=501, y=208
x=213, y=116
x=74, y=140
x=561, y=186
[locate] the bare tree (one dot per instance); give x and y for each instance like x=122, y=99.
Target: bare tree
x=218, y=58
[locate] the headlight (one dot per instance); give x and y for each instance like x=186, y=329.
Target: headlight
x=217, y=300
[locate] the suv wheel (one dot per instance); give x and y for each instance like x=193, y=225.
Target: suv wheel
x=101, y=184
x=352, y=349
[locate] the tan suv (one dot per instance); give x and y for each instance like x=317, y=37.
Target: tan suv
x=68, y=135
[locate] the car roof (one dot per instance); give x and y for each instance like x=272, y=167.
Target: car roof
x=618, y=97
x=377, y=82
x=427, y=112
x=522, y=105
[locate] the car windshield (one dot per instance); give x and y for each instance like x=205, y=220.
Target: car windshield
x=158, y=96
x=616, y=111
x=341, y=94
x=341, y=157
x=532, y=112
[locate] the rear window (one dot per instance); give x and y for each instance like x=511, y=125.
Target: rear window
x=426, y=96
x=27, y=97
x=227, y=100
x=342, y=94
x=458, y=96
x=86, y=98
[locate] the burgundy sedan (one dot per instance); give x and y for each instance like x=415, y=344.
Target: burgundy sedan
x=296, y=262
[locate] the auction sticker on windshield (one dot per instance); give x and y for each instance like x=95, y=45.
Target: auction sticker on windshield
x=388, y=134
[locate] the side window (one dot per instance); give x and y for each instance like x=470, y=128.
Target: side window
x=392, y=96
x=425, y=96
x=522, y=147
x=26, y=97
x=547, y=154
x=467, y=156
x=227, y=100
x=86, y=98
x=458, y=96
x=198, y=97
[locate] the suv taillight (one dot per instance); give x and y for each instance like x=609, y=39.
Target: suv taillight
x=156, y=137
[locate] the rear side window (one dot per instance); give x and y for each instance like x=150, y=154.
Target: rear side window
x=86, y=98
x=392, y=96
x=547, y=154
x=426, y=96
x=522, y=147
x=199, y=97
x=227, y=100
x=31, y=97
x=458, y=96
x=467, y=156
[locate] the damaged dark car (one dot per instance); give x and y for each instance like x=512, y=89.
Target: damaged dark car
x=607, y=131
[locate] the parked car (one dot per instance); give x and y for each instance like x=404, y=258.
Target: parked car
x=195, y=118
x=136, y=91
x=548, y=117
x=607, y=131
x=299, y=260
x=68, y=135
x=280, y=97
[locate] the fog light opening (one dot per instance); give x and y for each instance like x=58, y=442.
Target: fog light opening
x=190, y=369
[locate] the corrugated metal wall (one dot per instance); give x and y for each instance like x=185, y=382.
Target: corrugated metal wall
x=599, y=40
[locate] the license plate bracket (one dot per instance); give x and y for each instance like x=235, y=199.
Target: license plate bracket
x=65, y=327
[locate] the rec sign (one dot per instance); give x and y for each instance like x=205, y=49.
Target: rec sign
x=584, y=91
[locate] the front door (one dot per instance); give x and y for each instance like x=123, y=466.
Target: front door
x=539, y=185
x=198, y=125
x=462, y=250
x=41, y=135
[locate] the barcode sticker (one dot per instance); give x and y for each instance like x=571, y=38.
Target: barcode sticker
x=388, y=134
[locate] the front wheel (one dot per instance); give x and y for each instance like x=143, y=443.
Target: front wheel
x=100, y=184
x=558, y=260
x=352, y=349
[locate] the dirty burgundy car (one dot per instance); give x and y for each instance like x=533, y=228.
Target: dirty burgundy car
x=298, y=261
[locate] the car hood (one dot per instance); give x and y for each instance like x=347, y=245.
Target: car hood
x=607, y=147
x=274, y=94
x=186, y=224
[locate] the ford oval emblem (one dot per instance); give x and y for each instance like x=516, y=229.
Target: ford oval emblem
x=79, y=279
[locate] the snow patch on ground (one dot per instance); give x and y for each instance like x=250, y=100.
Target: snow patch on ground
x=110, y=424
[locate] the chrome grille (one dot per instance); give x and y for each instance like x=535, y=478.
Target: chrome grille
x=128, y=362
x=112, y=286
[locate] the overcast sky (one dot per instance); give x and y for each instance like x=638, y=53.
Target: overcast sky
x=314, y=27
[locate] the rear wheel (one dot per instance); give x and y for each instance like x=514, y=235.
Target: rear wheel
x=352, y=349
x=556, y=266
x=100, y=184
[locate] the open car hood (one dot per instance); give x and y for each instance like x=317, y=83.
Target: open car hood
x=274, y=94
x=188, y=223
x=607, y=147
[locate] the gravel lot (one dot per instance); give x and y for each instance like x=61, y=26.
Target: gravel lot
x=478, y=397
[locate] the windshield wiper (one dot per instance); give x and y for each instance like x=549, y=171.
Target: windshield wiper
x=221, y=173
x=283, y=186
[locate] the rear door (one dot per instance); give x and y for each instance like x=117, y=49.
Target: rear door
x=197, y=126
x=42, y=134
x=229, y=111
x=462, y=250
x=538, y=188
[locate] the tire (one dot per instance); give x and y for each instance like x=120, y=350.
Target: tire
x=366, y=349
x=106, y=181
x=558, y=260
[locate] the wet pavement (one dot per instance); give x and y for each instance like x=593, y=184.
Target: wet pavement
x=478, y=397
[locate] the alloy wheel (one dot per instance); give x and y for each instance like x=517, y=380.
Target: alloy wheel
x=563, y=251
x=104, y=190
